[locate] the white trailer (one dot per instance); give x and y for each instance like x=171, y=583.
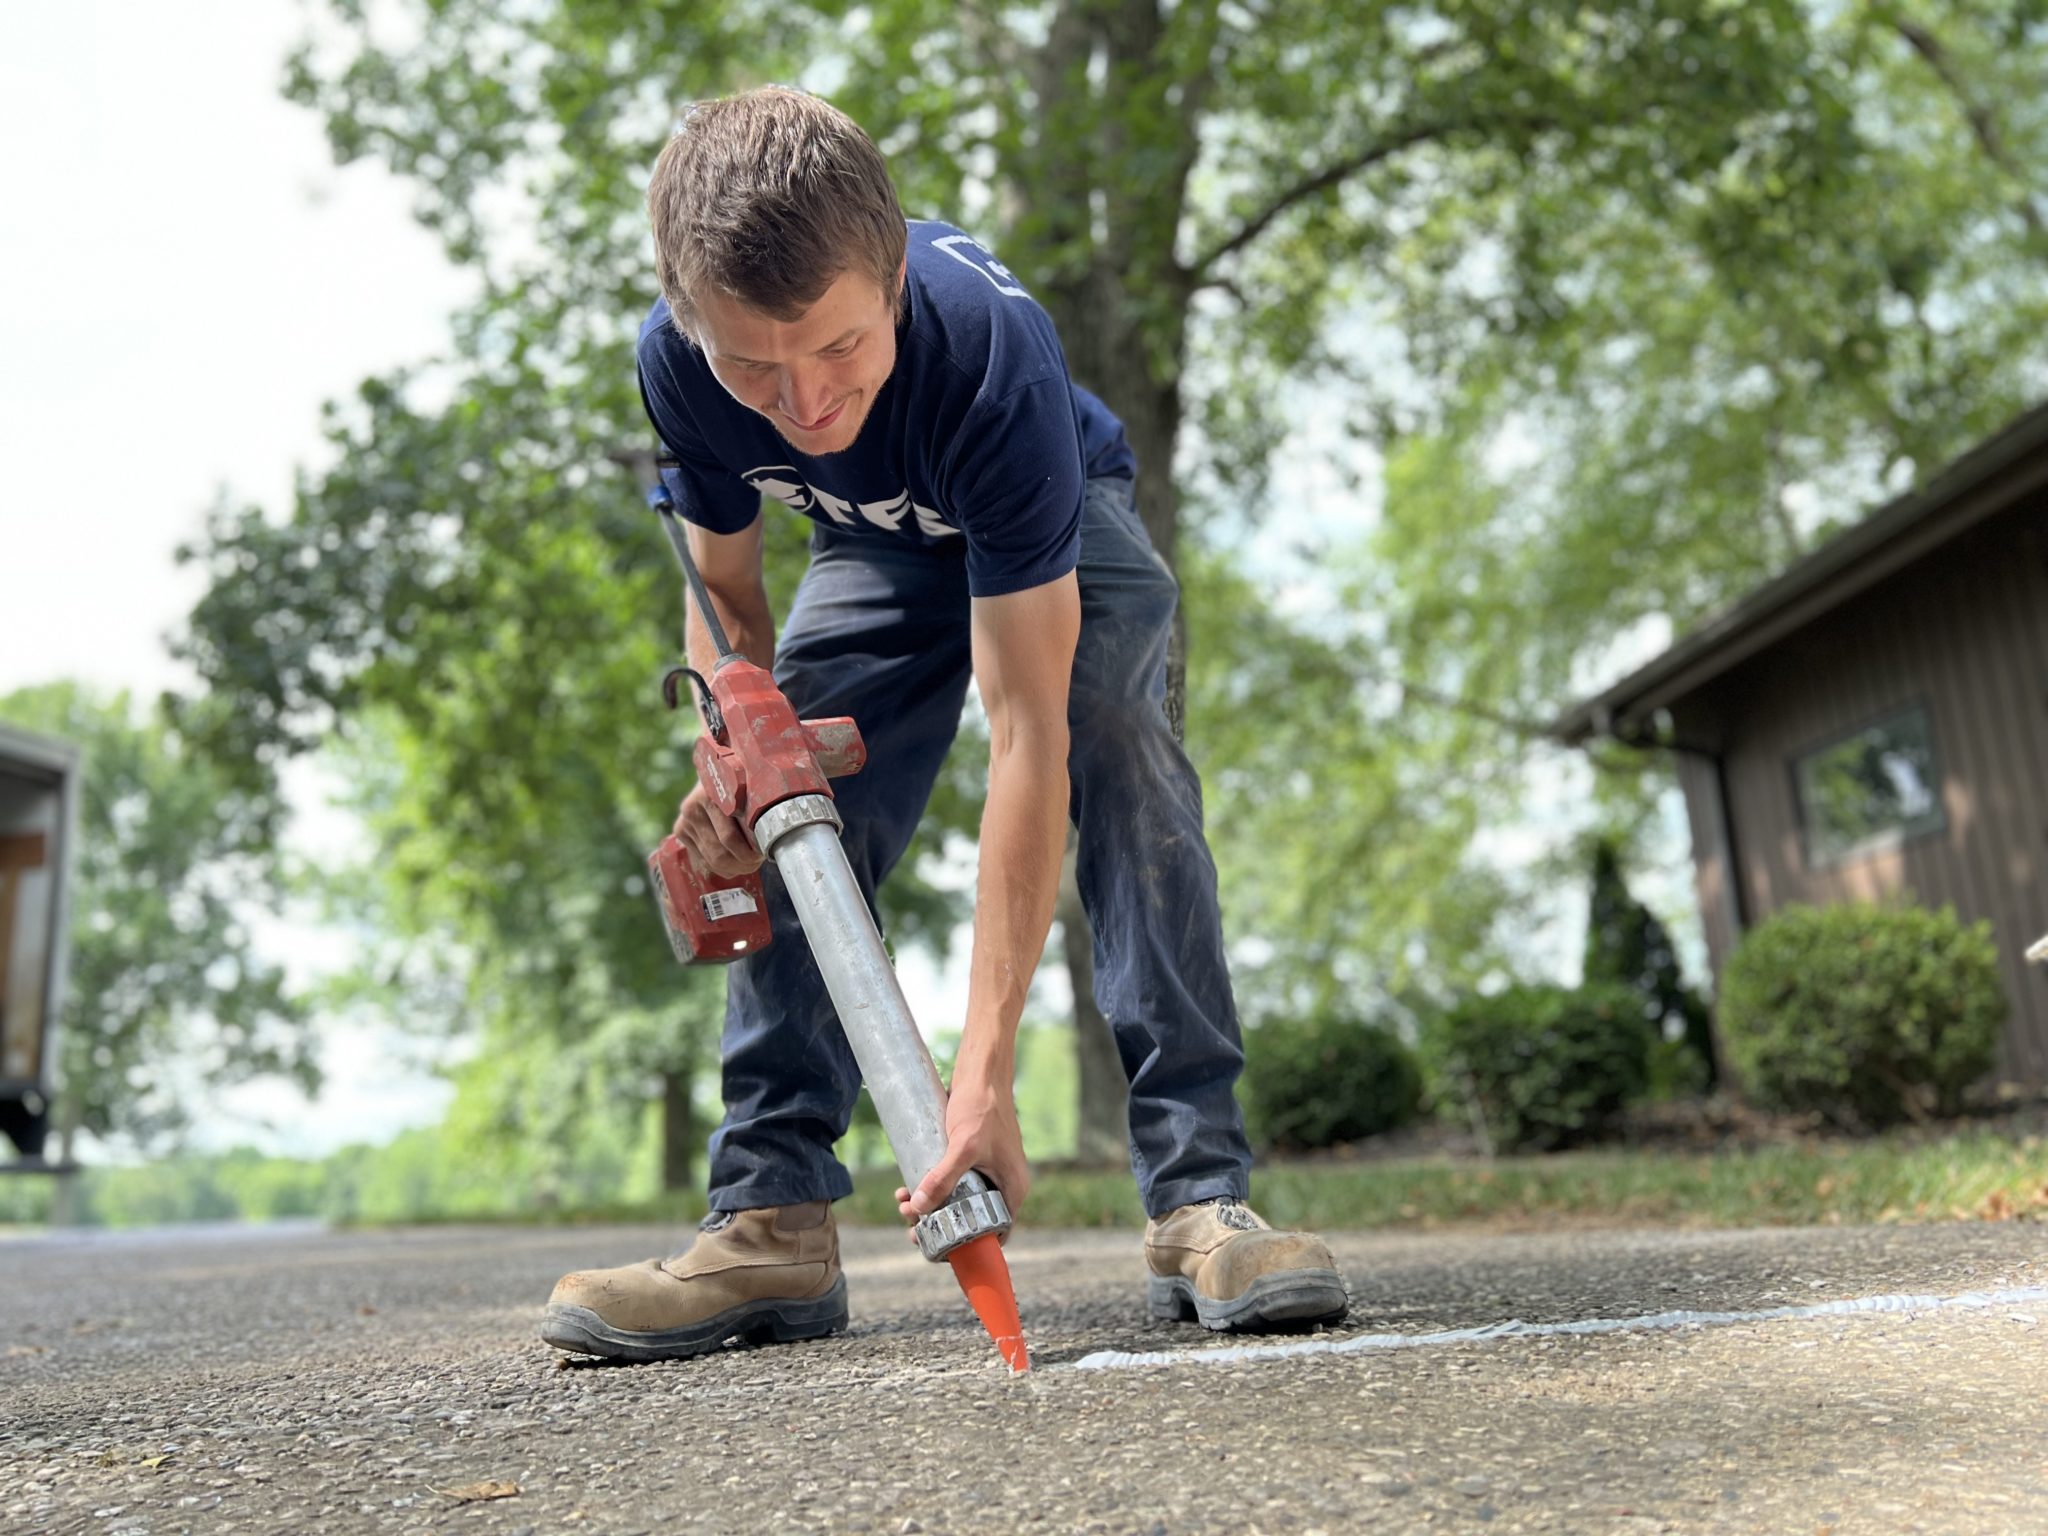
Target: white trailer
x=38, y=834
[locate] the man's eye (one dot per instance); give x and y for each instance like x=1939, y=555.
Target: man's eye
x=844, y=350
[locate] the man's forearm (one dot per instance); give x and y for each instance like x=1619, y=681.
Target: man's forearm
x=1023, y=834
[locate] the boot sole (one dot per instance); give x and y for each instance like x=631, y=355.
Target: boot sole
x=581, y=1331
x=1295, y=1298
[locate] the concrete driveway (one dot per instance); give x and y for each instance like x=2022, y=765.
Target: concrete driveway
x=262, y=1381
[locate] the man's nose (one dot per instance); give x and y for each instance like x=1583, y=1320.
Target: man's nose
x=804, y=394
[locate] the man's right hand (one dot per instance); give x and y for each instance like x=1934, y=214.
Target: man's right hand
x=719, y=844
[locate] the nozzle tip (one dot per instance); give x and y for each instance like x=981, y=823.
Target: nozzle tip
x=984, y=1275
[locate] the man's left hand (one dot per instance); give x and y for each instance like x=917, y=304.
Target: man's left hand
x=981, y=1133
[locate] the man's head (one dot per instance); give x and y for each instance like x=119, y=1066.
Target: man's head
x=779, y=245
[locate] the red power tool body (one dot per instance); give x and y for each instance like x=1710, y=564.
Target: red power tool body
x=754, y=753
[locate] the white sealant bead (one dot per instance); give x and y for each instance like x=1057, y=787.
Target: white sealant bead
x=1111, y=1359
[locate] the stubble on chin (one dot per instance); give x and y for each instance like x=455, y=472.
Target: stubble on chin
x=866, y=404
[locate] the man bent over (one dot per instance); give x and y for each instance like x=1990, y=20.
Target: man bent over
x=895, y=383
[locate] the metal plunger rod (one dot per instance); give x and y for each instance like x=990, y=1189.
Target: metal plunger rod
x=679, y=540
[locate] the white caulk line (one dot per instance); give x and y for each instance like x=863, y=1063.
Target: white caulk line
x=1113, y=1359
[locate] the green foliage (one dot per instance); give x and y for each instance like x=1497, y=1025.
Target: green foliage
x=1325, y=1080
x=1865, y=1014
x=1343, y=833
x=166, y=993
x=1540, y=1066
x=1626, y=946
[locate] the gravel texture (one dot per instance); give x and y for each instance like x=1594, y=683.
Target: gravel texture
x=203, y=1381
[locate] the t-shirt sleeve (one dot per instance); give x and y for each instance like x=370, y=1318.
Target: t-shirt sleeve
x=706, y=492
x=1015, y=486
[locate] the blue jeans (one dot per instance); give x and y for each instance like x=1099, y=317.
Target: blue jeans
x=880, y=632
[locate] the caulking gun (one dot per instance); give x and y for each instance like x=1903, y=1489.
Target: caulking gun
x=768, y=770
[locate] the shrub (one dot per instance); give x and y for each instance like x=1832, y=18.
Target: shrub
x=1541, y=1066
x=1329, y=1078
x=1865, y=1014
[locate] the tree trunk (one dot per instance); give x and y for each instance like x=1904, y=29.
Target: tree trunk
x=678, y=1131
x=1093, y=141
x=1102, y=1128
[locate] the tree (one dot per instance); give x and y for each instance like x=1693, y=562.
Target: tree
x=1626, y=946
x=1643, y=231
x=167, y=993
x=1664, y=394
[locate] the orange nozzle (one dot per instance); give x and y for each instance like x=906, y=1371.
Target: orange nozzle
x=984, y=1275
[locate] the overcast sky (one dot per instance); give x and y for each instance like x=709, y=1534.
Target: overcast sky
x=188, y=277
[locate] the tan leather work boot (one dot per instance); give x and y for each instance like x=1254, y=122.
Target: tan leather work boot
x=767, y=1275
x=1219, y=1263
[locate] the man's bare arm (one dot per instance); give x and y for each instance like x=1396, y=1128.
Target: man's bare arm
x=730, y=564
x=1023, y=661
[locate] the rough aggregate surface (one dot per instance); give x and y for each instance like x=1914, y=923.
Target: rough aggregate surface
x=265, y=1380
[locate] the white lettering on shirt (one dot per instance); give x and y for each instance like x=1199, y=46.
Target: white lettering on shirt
x=887, y=514
x=1004, y=279
x=841, y=510
x=781, y=482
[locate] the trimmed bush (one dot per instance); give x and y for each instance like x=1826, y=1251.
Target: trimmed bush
x=1541, y=1066
x=1868, y=1015
x=1327, y=1079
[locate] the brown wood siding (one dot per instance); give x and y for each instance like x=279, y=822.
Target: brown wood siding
x=1963, y=633
x=1696, y=777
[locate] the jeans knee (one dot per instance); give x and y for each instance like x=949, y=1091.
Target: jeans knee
x=1120, y=659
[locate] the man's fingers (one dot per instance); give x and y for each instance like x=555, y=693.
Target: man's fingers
x=729, y=833
x=936, y=1185
x=717, y=843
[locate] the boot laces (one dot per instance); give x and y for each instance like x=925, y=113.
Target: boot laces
x=1232, y=1212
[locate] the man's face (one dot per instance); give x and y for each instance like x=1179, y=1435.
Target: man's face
x=815, y=377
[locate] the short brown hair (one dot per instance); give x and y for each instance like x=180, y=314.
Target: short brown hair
x=769, y=196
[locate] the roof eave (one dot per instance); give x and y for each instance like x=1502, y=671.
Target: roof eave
x=1982, y=482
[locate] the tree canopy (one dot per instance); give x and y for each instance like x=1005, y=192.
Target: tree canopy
x=1634, y=300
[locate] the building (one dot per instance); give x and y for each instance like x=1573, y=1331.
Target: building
x=1875, y=721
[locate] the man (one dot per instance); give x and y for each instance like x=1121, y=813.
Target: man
x=897, y=384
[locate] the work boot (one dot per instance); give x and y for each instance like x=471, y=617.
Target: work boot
x=767, y=1275
x=1220, y=1264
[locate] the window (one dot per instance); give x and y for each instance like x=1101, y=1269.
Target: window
x=1869, y=791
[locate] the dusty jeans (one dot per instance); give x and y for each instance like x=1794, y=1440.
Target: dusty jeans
x=880, y=633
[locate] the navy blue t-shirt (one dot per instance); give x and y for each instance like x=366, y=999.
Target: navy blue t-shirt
x=977, y=438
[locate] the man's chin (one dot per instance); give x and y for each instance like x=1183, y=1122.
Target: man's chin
x=839, y=437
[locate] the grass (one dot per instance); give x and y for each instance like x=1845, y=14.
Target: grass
x=1973, y=1175
x=1964, y=1173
